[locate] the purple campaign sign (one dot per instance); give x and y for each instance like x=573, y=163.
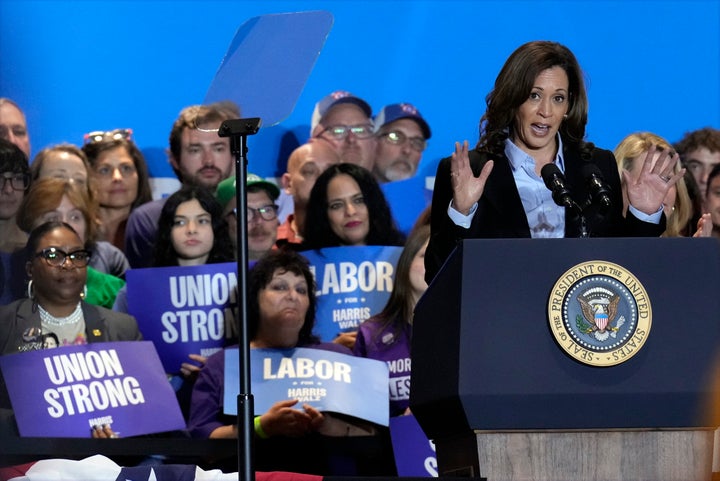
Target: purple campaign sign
x=354, y=283
x=63, y=392
x=414, y=453
x=184, y=310
x=327, y=380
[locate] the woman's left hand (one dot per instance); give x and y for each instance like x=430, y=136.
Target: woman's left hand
x=647, y=192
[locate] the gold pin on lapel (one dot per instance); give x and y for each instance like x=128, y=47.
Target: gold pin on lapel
x=96, y=332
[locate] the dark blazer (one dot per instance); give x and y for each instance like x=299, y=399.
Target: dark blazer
x=101, y=324
x=500, y=213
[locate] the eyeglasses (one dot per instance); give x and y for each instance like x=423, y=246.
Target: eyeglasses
x=395, y=137
x=266, y=212
x=56, y=257
x=101, y=135
x=105, y=170
x=340, y=132
x=18, y=181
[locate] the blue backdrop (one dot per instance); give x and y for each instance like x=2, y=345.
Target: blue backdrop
x=77, y=66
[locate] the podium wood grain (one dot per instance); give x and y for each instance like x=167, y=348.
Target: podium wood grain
x=659, y=455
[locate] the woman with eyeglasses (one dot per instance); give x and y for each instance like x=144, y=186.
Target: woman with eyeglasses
x=57, y=264
x=58, y=199
x=54, y=314
x=14, y=181
x=120, y=179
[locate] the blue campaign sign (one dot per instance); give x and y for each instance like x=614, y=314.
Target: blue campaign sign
x=354, y=283
x=184, y=310
x=328, y=381
x=64, y=392
x=414, y=452
x=397, y=194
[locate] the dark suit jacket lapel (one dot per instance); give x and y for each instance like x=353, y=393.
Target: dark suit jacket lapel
x=502, y=195
x=28, y=311
x=94, y=323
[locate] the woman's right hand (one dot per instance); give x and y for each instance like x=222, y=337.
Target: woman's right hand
x=467, y=189
x=283, y=420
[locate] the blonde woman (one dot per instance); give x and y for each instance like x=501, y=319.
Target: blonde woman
x=630, y=153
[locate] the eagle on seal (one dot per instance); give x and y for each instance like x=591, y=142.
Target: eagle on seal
x=600, y=316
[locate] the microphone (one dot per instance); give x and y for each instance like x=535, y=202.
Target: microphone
x=599, y=191
x=555, y=181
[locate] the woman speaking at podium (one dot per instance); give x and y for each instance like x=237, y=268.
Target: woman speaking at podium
x=532, y=174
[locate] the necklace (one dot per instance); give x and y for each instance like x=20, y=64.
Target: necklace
x=51, y=320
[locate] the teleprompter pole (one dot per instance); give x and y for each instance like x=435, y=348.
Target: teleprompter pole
x=238, y=130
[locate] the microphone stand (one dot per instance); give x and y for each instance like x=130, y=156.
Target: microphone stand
x=238, y=130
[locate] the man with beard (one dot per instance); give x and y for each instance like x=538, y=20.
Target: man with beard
x=344, y=121
x=402, y=136
x=262, y=217
x=198, y=156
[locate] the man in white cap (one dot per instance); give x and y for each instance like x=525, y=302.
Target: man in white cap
x=345, y=122
x=402, y=135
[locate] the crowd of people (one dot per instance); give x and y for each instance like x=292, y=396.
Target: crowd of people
x=76, y=218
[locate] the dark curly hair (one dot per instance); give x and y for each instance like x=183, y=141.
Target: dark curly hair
x=318, y=233
x=222, y=250
x=514, y=84
x=283, y=260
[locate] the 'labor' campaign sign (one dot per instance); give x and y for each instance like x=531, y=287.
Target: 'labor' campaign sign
x=184, y=310
x=353, y=284
x=64, y=392
x=326, y=380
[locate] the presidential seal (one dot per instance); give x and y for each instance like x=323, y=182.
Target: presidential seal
x=599, y=313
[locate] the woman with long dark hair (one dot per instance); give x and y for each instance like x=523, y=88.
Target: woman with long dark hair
x=192, y=230
x=348, y=207
x=536, y=116
x=386, y=336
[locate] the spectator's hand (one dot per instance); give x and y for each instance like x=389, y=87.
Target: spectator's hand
x=467, y=189
x=346, y=339
x=704, y=226
x=283, y=420
x=189, y=370
x=103, y=431
x=647, y=192
x=316, y=417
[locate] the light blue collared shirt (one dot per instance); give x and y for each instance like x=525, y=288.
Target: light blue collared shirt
x=545, y=218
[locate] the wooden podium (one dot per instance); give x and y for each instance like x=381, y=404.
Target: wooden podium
x=503, y=400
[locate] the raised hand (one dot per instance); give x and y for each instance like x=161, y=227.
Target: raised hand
x=704, y=226
x=647, y=191
x=467, y=189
